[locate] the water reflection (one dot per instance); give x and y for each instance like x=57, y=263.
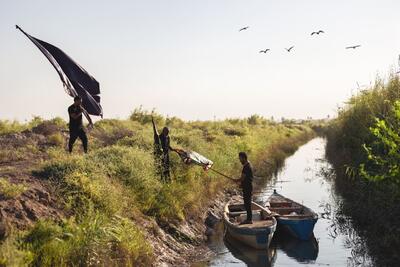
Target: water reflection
x=300, y=250
x=307, y=178
x=252, y=257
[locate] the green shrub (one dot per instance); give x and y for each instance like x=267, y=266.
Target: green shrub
x=257, y=120
x=94, y=241
x=7, y=127
x=11, y=253
x=56, y=139
x=383, y=153
x=37, y=124
x=144, y=116
x=109, y=132
x=10, y=190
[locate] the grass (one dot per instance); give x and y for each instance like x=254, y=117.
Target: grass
x=95, y=240
x=37, y=124
x=363, y=146
x=10, y=190
x=116, y=185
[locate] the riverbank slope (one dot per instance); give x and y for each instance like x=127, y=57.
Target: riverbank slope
x=109, y=207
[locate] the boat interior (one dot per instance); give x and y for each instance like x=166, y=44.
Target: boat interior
x=261, y=216
x=287, y=207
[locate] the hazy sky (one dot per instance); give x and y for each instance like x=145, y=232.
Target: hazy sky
x=187, y=58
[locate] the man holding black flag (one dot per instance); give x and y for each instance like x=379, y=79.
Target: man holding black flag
x=76, y=126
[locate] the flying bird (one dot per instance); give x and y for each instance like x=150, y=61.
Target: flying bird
x=318, y=32
x=265, y=51
x=290, y=48
x=353, y=47
x=244, y=28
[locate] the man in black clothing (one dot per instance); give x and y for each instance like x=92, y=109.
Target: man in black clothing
x=75, y=124
x=166, y=147
x=246, y=184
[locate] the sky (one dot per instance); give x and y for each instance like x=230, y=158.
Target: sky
x=188, y=59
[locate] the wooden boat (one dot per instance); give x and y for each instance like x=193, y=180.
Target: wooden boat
x=258, y=234
x=294, y=218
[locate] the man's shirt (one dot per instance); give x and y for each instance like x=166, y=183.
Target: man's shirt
x=247, y=172
x=75, y=124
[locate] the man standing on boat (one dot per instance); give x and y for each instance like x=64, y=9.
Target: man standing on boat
x=246, y=183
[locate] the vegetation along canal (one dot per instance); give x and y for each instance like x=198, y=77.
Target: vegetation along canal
x=308, y=179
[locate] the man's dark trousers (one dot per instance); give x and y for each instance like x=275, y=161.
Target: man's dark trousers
x=74, y=134
x=247, y=191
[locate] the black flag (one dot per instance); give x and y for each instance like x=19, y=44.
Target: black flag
x=76, y=80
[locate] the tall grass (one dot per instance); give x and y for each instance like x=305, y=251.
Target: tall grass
x=10, y=190
x=363, y=145
x=107, y=192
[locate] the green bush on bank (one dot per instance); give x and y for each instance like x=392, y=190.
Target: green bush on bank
x=357, y=127
x=363, y=145
x=383, y=153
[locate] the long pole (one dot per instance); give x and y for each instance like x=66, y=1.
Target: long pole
x=179, y=151
x=220, y=173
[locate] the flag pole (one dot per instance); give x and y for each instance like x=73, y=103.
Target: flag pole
x=17, y=27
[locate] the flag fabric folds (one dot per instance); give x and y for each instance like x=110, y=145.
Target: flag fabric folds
x=190, y=157
x=76, y=80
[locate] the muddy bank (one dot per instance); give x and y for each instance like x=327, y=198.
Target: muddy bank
x=185, y=243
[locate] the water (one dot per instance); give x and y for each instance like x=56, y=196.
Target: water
x=306, y=178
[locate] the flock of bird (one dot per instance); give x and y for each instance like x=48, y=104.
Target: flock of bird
x=290, y=48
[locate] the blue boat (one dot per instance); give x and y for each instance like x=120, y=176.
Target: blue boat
x=292, y=217
x=256, y=235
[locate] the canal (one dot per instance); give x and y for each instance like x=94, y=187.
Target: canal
x=306, y=178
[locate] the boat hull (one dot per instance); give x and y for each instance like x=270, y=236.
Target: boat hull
x=256, y=238
x=293, y=217
x=299, y=228
x=257, y=235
